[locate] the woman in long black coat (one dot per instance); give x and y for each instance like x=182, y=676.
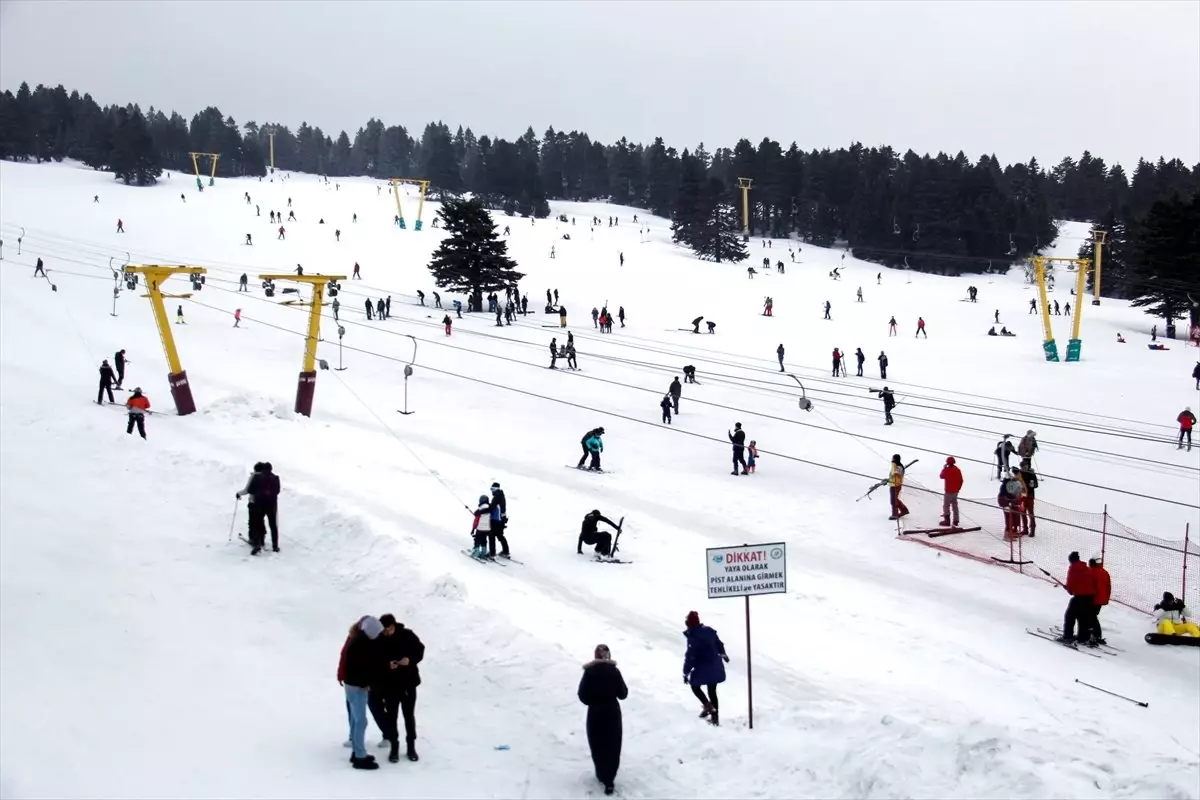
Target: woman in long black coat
x=601, y=689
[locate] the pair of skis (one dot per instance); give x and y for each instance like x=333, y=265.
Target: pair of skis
x=503, y=562
x=1099, y=651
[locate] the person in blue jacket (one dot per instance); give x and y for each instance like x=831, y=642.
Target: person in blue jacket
x=594, y=447
x=704, y=664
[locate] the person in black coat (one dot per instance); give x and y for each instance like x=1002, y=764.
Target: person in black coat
x=394, y=690
x=738, y=438
x=589, y=533
x=119, y=361
x=106, y=383
x=675, y=390
x=601, y=689
x=665, y=405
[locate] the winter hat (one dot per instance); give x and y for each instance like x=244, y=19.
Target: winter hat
x=602, y=653
x=1029, y=433
x=1096, y=558
x=950, y=460
x=371, y=627
x=387, y=620
x=693, y=620
x=1073, y=557
x=896, y=458
x=483, y=498
x=495, y=486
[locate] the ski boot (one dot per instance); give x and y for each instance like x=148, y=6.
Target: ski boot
x=945, y=523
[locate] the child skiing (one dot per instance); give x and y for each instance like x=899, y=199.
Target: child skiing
x=480, y=527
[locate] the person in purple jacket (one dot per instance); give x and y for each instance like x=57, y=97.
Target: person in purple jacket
x=704, y=664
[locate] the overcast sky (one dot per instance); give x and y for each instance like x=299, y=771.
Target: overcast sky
x=1017, y=79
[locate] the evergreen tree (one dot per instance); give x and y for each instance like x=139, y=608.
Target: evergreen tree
x=687, y=217
x=719, y=236
x=471, y=259
x=1168, y=250
x=133, y=158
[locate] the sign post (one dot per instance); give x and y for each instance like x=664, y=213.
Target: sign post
x=745, y=571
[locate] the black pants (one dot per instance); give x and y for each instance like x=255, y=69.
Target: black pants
x=120, y=376
x=675, y=403
x=883, y=373
x=711, y=700
x=595, y=461
x=100, y=394
x=739, y=457
x=1188, y=434
x=270, y=512
x=497, y=532
x=667, y=415
x=860, y=369
x=387, y=705
x=138, y=420
x=256, y=524
x=583, y=459
x=1097, y=632
x=1080, y=610
x=887, y=416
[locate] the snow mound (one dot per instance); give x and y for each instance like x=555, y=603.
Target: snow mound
x=246, y=405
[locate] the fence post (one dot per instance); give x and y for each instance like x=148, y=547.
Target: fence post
x=1103, y=533
x=1186, y=537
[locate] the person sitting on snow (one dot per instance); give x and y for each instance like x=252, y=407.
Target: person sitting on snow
x=1173, y=617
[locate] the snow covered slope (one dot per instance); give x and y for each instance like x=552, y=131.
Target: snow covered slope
x=144, y=654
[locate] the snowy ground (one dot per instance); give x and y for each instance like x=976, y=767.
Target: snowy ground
x=142, y=655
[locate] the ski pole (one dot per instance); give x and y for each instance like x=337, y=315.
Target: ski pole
x=233, y=520
x=1114, y=694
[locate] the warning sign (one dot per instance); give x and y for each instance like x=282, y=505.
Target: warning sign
x=747, y=570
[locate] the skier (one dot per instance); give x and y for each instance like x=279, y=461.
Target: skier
x=179, y=320
x=704, y=665
x=889, y=402
x=696, y=324
x=138, y=405
x=357, y=670
x=622, y=256
x=591, y=535
x=292, y=216
x=665, y=405
x=878, y=275
x=106, y=383
x=420, y=297
x=921, y=328
x=437, y=300
x=952, y=480
x=237, y=317
x=554, y=356
x=601, y=689
x=895, y=484
x=1004, y=449
x=39, y=268
x=370, y=308
x=338, y=234
x=572, y=362
x=282, y=232
x=621, y=315
x=480, y=527
x=1057, y=312
x=594, y=447
x=837, y=362
x=1187, y=421
x=380, y=310
x=1081, y=585
x=689, y=374
x=712, y=326
x=449, y=323
x=1103, y=583
x=827, y=307
x=387, y=307
x=249, y=241
x=355, y=275
x=858, y=355
x=244, y=283
x=591, y=436
x=272, y=213
x=779, y=354
x=750, y=273
x=120, y=226
x=883, y=365
x=675, y=390
x=255, y=509
x=524, y=305
x=1029, y=480
x=752, y=453
x=738, y=438
x=1067, y=309
x=458, y=309
x=119, y=361
x=1028, y=446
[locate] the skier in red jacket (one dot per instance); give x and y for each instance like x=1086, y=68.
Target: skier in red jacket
x=1187, y=421
x=1081, y=585
x=953, y=480
x=1100, y=599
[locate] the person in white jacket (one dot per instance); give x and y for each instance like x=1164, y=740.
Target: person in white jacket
x=1173, y=617
x=481, y=527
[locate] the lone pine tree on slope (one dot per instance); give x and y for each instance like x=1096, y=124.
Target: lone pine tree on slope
x=707, y=222
x=472, y=259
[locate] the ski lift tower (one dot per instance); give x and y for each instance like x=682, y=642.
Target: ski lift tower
x=744, y=185
x=212, y=177
x=155, y=275
x=307, y=385
x=424, y=186
x=270, y=131
x=1075, y=344
x=1098, y=237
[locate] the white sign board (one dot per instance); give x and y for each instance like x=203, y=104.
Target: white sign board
x=747, y=570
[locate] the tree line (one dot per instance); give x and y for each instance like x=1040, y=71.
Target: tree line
x=936, y=213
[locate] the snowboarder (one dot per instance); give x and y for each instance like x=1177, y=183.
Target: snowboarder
x=752, y=456
x=106, y=383
x=689, y=374
x=1081, y=585
x=704, y=665
x=665, y=405
x=921, y=328
x=889, y=402
x=837, y=362
x=601, y=689
x=1004, y=449
x=895, y=484
x=589, y=439
x=358, y=668
x=675, y=390
x=738, y=438
x=1103, y=583
x=39, y=268
x=449, y=323
x=860, y=357
x=952, y=483
x=696, y=324
x=589, y=534
x=138, y=405
x=883, y=365
x=119, y=361
x=1187, y=421
x=779, y=355
x=827, y=307
x=1173, y=617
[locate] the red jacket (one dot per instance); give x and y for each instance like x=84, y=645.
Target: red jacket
x=1103, y=584
x=341, y=672
x=952, y=475
x=1080, y=580
x=1186, y=420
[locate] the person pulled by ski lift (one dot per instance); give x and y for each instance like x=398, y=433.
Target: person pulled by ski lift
x=590, y=534
x=137, y=406
x=601, y=689
x=1187, y=421
x=1081, y=585
x=704, y=665
x=39, y=268
x=572, y=362
x=1004, y=449
x=665, y=405
x=738, y=439
x=751, y=457
x=712, y=326
x=480, y=527
x=1028, y=446
x=689, y=374
x=889, y=402
x=106, y=383
x=593, y=434
x=837, y=362
x=696, y=324
x=499, y=521
x=952, y=483
x=1029, y=480
x=895, y=484
x=449, y=323
x=1172, y=617
x=1103, y=583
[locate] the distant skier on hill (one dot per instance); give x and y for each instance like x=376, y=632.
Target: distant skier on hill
x=779, y=354
x=827, y=307
x=696, y=324
x=689, y=374
x=420, y=297
x=39, y=268
x=437, y=300
x=883, y=365
x=889, y=402
x=860, y=357
x=674, y=391
x=892, y=326
x=1187, y=421
x=370, y=309
x=665, y=405
x=921, y=328
x=837, y=362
